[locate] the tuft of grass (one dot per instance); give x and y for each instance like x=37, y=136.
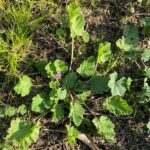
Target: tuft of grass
x=20, y=21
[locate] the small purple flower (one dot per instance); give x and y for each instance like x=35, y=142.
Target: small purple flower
x=58, y=75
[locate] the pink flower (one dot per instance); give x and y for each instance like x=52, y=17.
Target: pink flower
x=58, y=75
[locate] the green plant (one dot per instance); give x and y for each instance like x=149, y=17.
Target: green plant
x=77, y=24
x=60, y=98
x=88, y=95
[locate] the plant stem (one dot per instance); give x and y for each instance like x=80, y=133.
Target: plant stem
x=110, y=67
x=72, y=53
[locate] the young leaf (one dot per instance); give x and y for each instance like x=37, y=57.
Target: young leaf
x=24, y=86
x=50, y=69
x=60, y=66
x=72, y=134
x=22, y=109
x=86, y=37
x=57, y=66
x=99, y=84
x=117, y=106
x=118, y=87
x=128, y=83
x=10, y=111
x=61, y=93
x=76, y=113
x=38, y=102
x=70, y=80
x=105, y=127
x=58, y=113
x=87, y=68
x=22, y=134
x=54, y=84
x=146, y=55
x=121, y=44
x=83, y=96
x=104, y=52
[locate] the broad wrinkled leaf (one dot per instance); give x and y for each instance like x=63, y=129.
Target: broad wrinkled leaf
x=24, y=86
x=130, y=38
x=22, y=134
x=105, y=127
x=38, y=102
x=104, y=52
x=58, y=113
x=87, y=68
x=117, y=106
x=76, y=113
x=72, y=134
x=130, y=34
x=70, y=80
x=99, y=84
x=77, y=24
x=73, y=10
x=118, y=87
